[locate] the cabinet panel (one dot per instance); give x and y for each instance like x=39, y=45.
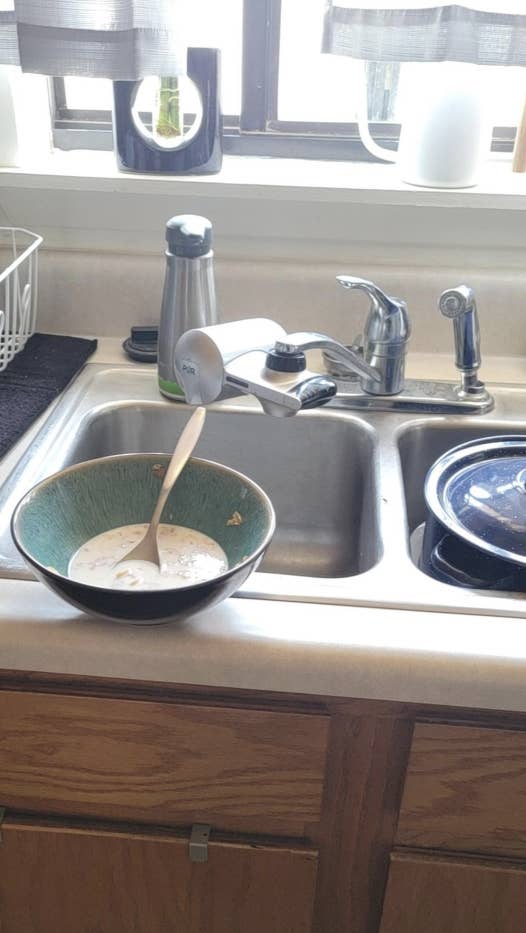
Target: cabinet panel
x=87, y=881
x=239, y=770
x=465, y=790
x=448, y=895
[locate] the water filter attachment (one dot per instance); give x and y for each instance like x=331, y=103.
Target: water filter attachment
x=240, y=358
x=189, y=299
x=201, y=355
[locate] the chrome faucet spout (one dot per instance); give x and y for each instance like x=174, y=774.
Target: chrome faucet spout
x=301, y=341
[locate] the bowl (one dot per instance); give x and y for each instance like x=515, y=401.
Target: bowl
x=63, y=511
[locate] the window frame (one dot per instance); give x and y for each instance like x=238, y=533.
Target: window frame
x=257, y=130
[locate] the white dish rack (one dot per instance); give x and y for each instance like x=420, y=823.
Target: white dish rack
x=18, y=289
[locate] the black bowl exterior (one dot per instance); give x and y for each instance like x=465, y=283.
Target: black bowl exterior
x=147, y=607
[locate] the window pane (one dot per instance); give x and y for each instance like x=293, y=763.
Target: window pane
x=88, y=93
x=218, y=24
x=503, y=87
x=208, y=24
x=312, y=87
x=322, y=88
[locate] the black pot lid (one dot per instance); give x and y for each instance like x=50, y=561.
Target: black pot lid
x=478, y=492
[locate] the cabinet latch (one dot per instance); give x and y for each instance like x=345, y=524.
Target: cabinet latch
x=198, y=847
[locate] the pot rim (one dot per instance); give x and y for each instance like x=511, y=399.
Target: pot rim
x=457, y=458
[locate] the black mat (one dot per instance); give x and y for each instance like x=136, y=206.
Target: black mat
x=34, y=378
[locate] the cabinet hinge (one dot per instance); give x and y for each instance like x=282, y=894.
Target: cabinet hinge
x=198, y=846
x=2, y=817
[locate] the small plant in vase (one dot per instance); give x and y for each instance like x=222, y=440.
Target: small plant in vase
x=166, y=122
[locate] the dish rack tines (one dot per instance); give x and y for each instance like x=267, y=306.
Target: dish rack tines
x=18, y=289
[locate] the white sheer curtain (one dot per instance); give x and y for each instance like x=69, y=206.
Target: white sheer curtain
x=119, y=39
x=484, y=32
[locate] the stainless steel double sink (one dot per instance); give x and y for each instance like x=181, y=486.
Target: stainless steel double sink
x=347, y=488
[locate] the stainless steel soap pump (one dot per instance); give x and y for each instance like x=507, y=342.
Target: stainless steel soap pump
x=189, y=299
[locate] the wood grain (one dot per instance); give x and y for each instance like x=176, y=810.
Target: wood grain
x=63, y=880
x=447, y=895
x=239, y=770
x=465, y=790
x=365, y=771
x=368, y=749
x=163, y=692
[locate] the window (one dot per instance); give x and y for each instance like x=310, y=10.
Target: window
x=281, y=96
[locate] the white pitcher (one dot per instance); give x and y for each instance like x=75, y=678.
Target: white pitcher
x=446, y=134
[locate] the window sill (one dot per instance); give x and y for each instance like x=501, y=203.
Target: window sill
x=296, y=209
x=359, y=182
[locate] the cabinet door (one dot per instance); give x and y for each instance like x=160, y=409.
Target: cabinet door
x=465, y=791
x=427, y=894
x=60, y=878
x=141, y=761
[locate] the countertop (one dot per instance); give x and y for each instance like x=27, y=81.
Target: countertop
x=347, y=651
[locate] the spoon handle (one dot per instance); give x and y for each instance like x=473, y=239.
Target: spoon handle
x=182, y=452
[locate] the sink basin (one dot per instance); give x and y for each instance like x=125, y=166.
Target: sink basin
x=316, y=469
x=313, y=469
x=420, y=444
x=347, y=487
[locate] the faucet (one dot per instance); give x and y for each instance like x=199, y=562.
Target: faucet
x=383, y=345
x=224, y=360
x=257, y=357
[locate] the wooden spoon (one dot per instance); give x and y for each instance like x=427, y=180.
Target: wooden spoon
x=147, y=548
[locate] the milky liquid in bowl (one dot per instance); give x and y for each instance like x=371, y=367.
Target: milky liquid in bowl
x=187, y=556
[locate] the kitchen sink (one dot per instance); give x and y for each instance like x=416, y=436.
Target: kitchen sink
x=316, y=469
x=347, y=487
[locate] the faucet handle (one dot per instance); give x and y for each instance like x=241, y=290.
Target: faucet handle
x=377, y=296
x=387, y=321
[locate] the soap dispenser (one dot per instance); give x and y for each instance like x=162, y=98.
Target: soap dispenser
x=189, y=299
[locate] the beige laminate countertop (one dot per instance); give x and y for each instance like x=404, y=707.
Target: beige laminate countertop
x=352, y=651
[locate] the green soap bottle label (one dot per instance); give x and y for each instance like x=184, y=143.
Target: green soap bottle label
x=171, y=388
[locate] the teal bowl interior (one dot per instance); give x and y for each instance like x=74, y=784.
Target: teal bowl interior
x=63, y=512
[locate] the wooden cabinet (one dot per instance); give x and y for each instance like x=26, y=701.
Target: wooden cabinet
x=100, y=796
x=327, y=815
x=429, y=894
x=465, y=790
x=242, y=770
x=65, y=879
x=464, y=799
